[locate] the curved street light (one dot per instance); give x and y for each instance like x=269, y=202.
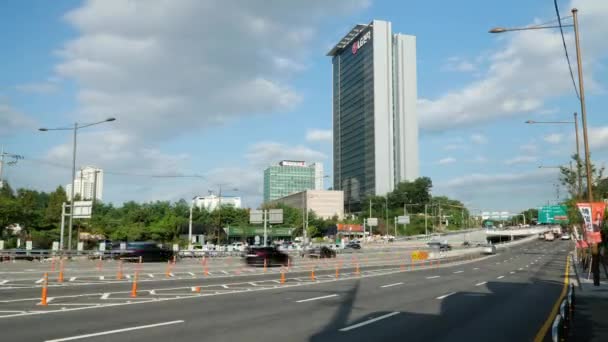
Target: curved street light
x=75, y=129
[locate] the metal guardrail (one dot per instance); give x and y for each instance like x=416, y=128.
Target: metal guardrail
x=560, y=330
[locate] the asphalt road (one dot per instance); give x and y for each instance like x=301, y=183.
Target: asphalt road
x=506, y=297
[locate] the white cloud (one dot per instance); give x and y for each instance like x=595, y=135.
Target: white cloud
x=488, y=191
x=480, y=159
x=12, y=120
x=164, y=67
x=530, y=148
x=554, y=138
x=46, y=87
x=263, y=154
x=521, y=160
x=453, y=147
x=445, y=161
x=598, y=137
x=459, y=65
x=319, y=135
x=479, y=139
x=523, y=74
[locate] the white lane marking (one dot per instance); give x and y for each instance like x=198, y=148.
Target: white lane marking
x=355, y=326
x=432, y=277
x=150, y=275
x=224, y=272
x=527, y=266
x=456, y=272
x=101, y=277
x=276, y=281
x=482, y=283
x=127, y=276
x=48, y=300
x=39, y=280
x=446, y=295
x=391, y=285
x=171, y=275
x=253, y=284
x=11, y=311
x=3, y=282
x=225, y=286
x=476, y=268
x=521, y=268
x=316, y=298
x=192, y=274
x=102, y=333
x=512, y=272
x=152, y=292
x=105, y=296
x=72, y=279
x=500, y=277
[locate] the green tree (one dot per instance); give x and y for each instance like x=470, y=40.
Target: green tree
x=569, y=178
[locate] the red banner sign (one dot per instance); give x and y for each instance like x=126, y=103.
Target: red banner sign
x=593, y=217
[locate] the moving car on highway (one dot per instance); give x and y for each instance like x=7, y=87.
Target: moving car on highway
x=255, y=256
x=566, y=236
x=320, y=252
x=441, y=246
x=148, y=251
x=353, y=245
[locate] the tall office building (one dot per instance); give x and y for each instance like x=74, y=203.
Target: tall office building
x=374, y=112
x=88, y=184
x=289, y=177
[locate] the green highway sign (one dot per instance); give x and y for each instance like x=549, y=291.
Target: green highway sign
x=553, y=214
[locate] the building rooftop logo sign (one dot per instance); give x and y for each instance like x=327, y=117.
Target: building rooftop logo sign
x=359, y=43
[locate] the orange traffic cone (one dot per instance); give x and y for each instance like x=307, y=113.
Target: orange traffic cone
x=134, y=287
x=43, y=299
x=357, y=272
x=282, y=276
x=196, y=289
x=265, y=265
x=206, y=271
x=119, y=273
x=337, y=272
x=60, y=279
x=312, y=273
x=168, y=269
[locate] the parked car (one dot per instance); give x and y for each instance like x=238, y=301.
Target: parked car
x=320, y=252
x=566, y=236
x=489, y=249
x=255, y=256
x=148, y=251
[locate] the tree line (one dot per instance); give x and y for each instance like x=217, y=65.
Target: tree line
x=39, y=215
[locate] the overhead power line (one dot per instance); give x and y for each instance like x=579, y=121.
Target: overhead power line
x=561, y=30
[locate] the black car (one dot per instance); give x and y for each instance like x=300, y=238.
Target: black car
x=353, y=245
x=148, y=251
x=320, y=252
x=255, y=256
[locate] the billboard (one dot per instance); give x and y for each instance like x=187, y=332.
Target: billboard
x=553, y=214
x=593, y=216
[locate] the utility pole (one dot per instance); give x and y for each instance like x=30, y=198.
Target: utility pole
x=426, y=230
x=3, y=155
x=578, y=158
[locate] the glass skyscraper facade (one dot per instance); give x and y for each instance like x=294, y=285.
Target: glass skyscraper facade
x=374, y=112
x=289, y=177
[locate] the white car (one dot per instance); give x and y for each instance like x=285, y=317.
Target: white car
x=566, y=236
x=489, y=249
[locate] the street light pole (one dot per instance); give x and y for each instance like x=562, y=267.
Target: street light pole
x=71, y=221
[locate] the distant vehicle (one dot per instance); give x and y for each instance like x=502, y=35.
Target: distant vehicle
x=549, y=236
x=353, y=245
x=255, y=256
x=238, y=247
x=320, y=252
x=566, y=236
x=148, y=251
x=489, y=249
x=441, y=246
x=466, y=244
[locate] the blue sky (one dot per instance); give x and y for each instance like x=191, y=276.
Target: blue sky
x=222, y=89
